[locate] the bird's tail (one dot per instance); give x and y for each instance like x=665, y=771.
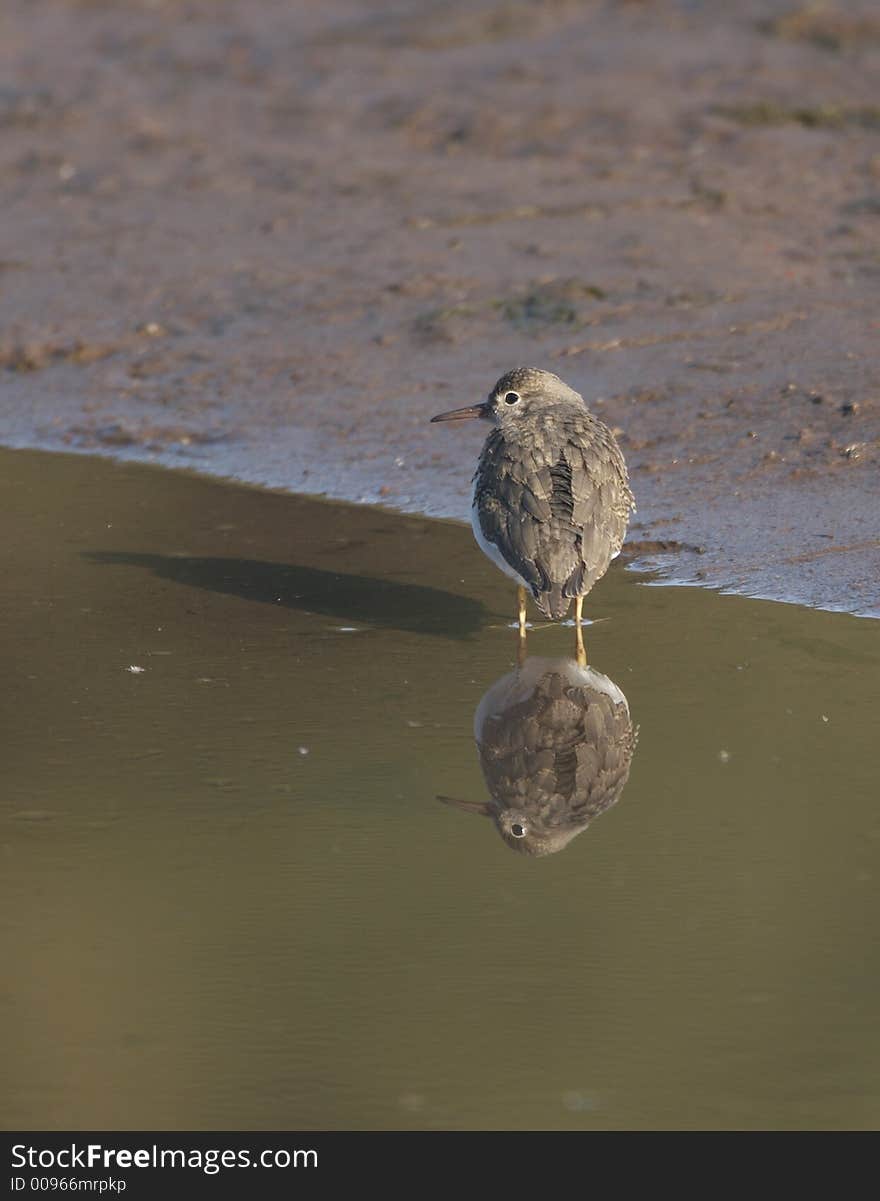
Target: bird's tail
x=553, y=604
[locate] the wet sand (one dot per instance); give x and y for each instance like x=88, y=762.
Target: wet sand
x=269, y=241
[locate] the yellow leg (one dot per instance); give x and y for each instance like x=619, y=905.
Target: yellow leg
x=580, y=651
x=521, y=651
x=521, y=598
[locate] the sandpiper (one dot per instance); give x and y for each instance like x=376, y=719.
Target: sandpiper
x=551, y=499
x=556, y=742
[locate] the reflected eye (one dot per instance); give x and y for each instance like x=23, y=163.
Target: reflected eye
x=510, y=398
x=517, y=830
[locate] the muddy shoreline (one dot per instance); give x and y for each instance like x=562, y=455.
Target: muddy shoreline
x=268, y=242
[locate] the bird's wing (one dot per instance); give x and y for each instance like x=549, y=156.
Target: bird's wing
x=557, y=515
x=512, y=498
x=605, y=754
x=601, y=502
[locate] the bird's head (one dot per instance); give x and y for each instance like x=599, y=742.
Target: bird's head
x=530, y=836
x=519, y=394
x=522, y=832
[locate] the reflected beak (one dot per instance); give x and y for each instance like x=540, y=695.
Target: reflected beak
x=463, y=414
x=483, y=808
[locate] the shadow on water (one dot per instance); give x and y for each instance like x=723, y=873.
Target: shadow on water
x=388, y=604
x=237, y=902
x=556, y=743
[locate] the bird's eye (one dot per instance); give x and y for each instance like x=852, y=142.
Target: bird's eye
x=517, y=830
x=510, y=398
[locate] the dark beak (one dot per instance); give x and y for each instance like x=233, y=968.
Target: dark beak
x=463, y=414
x=483, y=808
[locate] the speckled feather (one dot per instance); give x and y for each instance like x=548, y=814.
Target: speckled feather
x=558, y=758
x=552, y=494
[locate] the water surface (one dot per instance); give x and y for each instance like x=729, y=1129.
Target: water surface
x=231, y=897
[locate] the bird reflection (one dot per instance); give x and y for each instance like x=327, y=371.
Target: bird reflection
x=556, y=742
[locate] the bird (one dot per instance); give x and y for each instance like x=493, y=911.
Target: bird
x=556, y=742
x=551, y=496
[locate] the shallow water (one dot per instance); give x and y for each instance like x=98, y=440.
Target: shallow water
x=232, y=899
